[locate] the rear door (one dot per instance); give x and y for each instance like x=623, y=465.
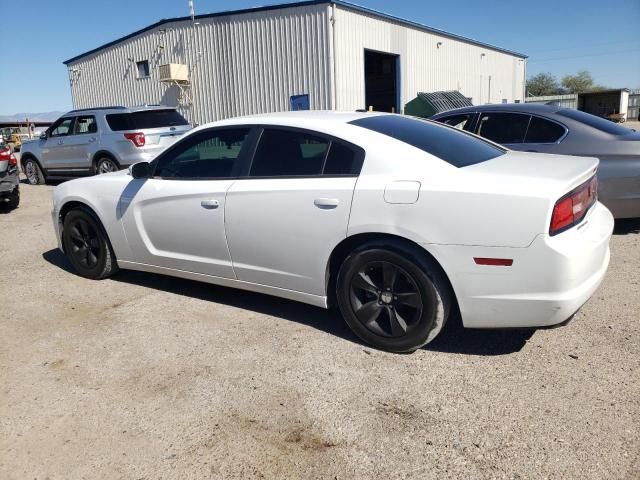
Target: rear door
x=283, y=220
x=543, y=135
x=176, y=219
x=505, y=128
x=80, y=143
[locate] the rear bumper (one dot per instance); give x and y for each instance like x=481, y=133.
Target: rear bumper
x=8, y=183
x=548, y=282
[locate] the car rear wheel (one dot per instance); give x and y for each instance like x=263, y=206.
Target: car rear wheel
x=33, y=172
x=394, y=300
x=106, y=165
x=87, y=246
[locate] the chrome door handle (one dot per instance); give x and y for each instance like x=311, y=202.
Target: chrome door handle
x=92, y=139
x=210, y=204
x=326, y=203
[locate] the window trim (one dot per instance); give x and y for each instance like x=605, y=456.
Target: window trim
x=148, y=69
x=482, y=112
x=471, y=123
x=58, y=123
x=557, y=142
x=358, y=150
x=194, y=139
x=479, y=123
x=76, y=122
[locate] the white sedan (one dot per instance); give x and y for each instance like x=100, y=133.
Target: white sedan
x=395, y=220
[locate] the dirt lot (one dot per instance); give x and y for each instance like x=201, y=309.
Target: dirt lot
x=146, y=377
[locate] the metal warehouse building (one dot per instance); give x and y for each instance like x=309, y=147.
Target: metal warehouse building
x=317, y=54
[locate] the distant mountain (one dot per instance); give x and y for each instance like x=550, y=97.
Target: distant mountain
x=39, y=117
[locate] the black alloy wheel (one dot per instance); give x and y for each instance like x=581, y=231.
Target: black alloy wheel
x=87, y=246
x=393, y=296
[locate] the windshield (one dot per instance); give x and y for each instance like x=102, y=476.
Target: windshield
x=454, y=146
x=598, y=123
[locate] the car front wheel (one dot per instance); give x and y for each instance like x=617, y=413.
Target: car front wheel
x=87, y=246
x=394, y=300
x=33, y=172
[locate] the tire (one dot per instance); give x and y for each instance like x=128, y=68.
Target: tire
x=33, y=172
x=87, y=246
x=393, y=297
x=14, y=198
x=106, y=165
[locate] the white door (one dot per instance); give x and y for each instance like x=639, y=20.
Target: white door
x=283, y=221
x=176, y=219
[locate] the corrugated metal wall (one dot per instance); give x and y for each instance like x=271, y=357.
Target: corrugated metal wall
x=455, y=65
x=567, y=101
x=242, y=64
x=253, y=62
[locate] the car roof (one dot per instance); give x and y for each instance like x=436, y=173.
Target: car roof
x=506, y=107
x=120, y=109
x=302, y=118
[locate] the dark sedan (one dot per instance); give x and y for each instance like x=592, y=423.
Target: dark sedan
x=557, y=130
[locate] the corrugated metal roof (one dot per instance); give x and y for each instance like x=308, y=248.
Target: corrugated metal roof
x=298, y=4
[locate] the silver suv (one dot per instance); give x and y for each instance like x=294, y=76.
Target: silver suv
x=100, y=140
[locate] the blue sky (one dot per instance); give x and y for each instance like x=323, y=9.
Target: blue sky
x=561, y=37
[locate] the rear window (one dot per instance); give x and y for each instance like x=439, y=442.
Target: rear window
x=145, y=119
x=449, y=144
x=598, y=123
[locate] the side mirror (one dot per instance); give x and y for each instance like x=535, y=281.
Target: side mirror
x=43, y=135
x=140, y=170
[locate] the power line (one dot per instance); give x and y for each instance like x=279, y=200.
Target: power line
x=584, y=56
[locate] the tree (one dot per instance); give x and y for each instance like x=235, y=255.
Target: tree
x=580, y=82
x=542, y=84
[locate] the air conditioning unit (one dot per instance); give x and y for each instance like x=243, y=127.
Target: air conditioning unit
x=174, y=72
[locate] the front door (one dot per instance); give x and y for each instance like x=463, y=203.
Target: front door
x=176, y=219
x=284, y=219
x=53, y=149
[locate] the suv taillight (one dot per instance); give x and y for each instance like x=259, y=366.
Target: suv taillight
x=137, y=138
x=571, y=209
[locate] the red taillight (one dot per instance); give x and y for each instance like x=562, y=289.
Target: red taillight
x=137, y=138
x=5, y=154
x=571, y=208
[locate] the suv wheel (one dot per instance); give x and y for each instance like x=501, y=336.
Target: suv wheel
x=33, y=172
x=87, y=246
x=392, y=298
x=106, y=165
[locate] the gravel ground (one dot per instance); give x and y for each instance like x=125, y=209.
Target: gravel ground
x=147, y=377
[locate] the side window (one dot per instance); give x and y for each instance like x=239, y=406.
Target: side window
x=209, y=154
x=288, y=153
x=86, y=124
x=543, y=131
x=460, y=122
x=343, y=160
x=503, y=127
x=143, y=68
x=61, y=128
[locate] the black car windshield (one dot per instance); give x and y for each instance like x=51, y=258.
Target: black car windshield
x=598, y=123
x=456, y=147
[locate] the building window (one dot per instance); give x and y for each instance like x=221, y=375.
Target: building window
x=143, y=68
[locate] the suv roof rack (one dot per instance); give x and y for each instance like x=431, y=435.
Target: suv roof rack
x=115, y=107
